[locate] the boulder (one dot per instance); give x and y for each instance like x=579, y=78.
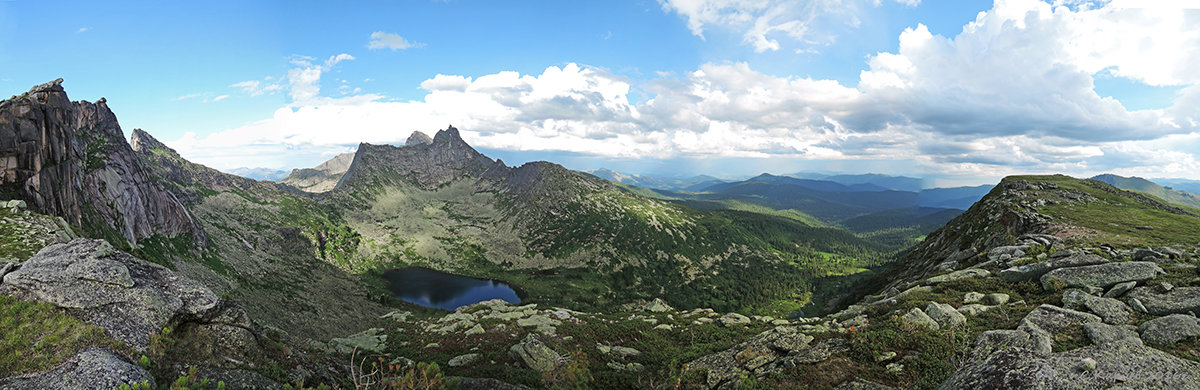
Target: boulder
x=658, y=306
x=996, y=299
x=764, y=353
x=534, y=354
x=974, y=309
x=1170, y=329
x=1027, y=336
x=631, y=367
x=1102, y=275
x=972, y=297
x=370, y=340
x=131, y=299
x=1119, y=289
x=1036, y=270
x=619, y=351
x=1177, y=301
x=92, y=368
x=1007, y=252
x=956, y=275
x=1100, y=333
x=1110, y=310
x=733, y=319
x=820, y=352
x=464, y=360
x=1141, y=367
x=945, y=315
x=918, y=318
x=1055, y=320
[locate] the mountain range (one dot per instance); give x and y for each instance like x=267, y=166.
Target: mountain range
x=1142, y=185
x=123, y=265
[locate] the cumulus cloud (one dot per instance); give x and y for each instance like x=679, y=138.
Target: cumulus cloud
x=1012, y=93
x=762, y=22
x=383, y=40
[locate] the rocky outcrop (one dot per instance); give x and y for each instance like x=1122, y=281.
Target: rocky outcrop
x=1102, y=275
x=321, y=178
x=93, y=368
x=1035, y=271
x=428, y=165
x=1170, y=329
x=129, y=298
x=533, y=353
x=1124, y=363
x=70, y=159
x=768, y=352
x=1178, y=300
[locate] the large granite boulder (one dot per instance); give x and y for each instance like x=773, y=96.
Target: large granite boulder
x=1110, y=310
x=129, y=298
x=1123, y=363
x=1170, y=329
x=768, y=352
x=1036, y=270
x=1101, y=275
x=92, y=368
x=1178, y=300
x=535, y=354
x=1055, y=320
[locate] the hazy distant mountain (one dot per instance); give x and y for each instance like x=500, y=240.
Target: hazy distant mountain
x=952, y=197
x=321, y=178
x=267, y=174
x=819, y=185
x=900, y=183
x=1192, y=186
x=1149, y=187
x=694, y=183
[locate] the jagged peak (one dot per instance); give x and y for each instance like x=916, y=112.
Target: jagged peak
x=448, y=136
x=53, y=86
x=142, y=142
x=418, y=138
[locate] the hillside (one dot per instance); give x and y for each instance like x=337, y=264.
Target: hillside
x=1047, y=278
x=693, y=183
x=1142, y=185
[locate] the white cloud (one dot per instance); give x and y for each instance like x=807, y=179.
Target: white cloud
x=762, y=22
x=383, y=40
x=82, y=30
x=1013, y=93
x=258, y=88
x=185, y=97
x=220, y=98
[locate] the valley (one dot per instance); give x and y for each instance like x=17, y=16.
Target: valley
x=137, y=261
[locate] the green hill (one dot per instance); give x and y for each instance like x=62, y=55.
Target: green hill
x=1152, y=188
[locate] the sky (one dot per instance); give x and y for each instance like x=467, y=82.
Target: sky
x=961, y=92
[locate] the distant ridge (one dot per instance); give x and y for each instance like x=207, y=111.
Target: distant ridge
x=1149, y=187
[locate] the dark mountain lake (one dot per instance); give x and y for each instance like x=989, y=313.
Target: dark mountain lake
x=429, y=288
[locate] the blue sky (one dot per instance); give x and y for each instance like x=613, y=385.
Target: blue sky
x=963, y=91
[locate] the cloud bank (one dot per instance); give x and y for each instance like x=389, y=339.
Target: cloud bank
x=1012, y=93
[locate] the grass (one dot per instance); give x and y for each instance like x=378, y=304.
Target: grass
x=1116, y=216
x=663, y=353
x=36, y=336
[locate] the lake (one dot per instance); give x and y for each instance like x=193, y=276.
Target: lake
x=436, y=289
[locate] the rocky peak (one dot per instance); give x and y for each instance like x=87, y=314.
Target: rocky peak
x=143, y=142
x=445, y=158
x=418, y=138
x=70, y=159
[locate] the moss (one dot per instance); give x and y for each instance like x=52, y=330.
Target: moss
x=36, y=336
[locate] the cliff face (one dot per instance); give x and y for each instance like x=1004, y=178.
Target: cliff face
x=71, y=159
